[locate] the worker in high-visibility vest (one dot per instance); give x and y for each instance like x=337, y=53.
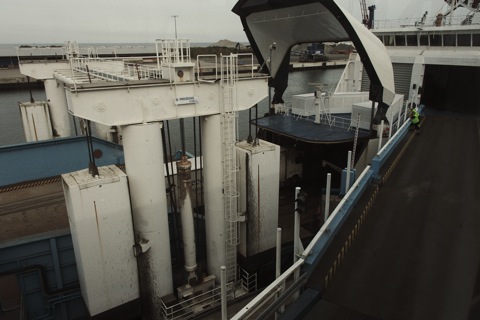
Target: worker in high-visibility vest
x=415, y=117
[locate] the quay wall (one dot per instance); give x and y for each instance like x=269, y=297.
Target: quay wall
x=12, y=79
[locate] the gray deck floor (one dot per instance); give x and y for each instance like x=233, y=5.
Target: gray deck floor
x=307, y=130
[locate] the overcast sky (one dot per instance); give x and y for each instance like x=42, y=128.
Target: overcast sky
x=143, y=21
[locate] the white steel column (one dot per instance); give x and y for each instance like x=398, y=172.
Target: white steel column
x=213, y=188
x=57, y=102
x=146, y=176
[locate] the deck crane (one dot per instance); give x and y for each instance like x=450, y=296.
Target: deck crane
x=367, y=14
x=363, y=9
x=472, y=5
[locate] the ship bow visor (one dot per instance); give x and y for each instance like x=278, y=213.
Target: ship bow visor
x=273, y=27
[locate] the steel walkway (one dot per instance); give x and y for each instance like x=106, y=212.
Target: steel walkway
x=417, y=255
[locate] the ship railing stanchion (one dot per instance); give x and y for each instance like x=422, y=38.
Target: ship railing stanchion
x=223, y=283
x=381, y=136
x=296, y=231
x=297, y=244
x=347, y=179
x=327, y=197
x=355, y=140
x=398, y=118
x=278, y=269
x=390, y=124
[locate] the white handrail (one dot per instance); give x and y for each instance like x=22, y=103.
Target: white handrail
x=325, y=226
x=115, y=69
x=260, y=300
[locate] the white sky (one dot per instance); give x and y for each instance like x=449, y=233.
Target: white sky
x=143, y=21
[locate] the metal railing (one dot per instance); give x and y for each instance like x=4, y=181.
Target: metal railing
x=336, y=122
x=187, y=308
x=327, y=119
x=113, y=69
x=207, y=69
x=427, y=22
x=210, y=299
x=247, y=281
x=25, y=53
x=246, y=65
x=173, y=50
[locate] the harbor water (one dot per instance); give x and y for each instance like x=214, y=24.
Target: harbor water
x=11, y=128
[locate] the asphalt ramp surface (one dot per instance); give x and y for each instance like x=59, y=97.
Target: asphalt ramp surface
x=418, y=254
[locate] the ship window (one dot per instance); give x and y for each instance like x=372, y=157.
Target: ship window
x=449, y=40
x=436, y=40
x=388, y=40
x=464, y=40
x=476, y=40
x=400, y=40
x=424, y=40
x=412, y=40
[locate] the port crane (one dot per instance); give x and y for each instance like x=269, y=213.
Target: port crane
x=367, y=14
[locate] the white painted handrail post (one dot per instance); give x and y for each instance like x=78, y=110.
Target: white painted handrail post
x=296, y=237
x=278, y=266
x=349, y=164
x=278, y=270
x=399, y=116
x=380, y=137
x=223, y=280
x=405, y=114
x=327, y=197
x=390, y=122
x=296, y=228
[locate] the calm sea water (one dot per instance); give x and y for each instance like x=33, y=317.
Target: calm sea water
x=11, y=128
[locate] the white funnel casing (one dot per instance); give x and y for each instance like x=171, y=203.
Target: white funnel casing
x=213, y=190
